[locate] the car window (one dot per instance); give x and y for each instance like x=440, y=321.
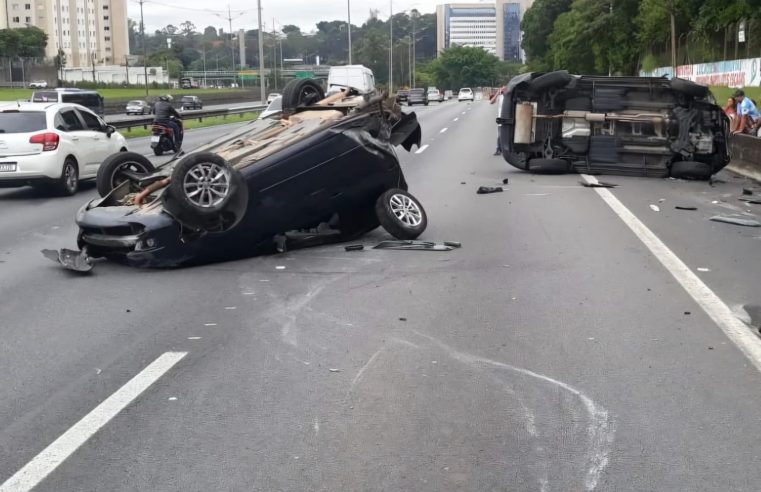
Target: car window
x=45, y=96
x=134, y=103
x=88, y=100
x=92, y=122
x=22, y=122
x=69, y=121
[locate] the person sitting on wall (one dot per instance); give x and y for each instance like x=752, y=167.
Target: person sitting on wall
x=730, y=109
x=748, y=117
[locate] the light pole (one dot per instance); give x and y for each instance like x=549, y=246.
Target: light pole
x=261, y=53
x=391, y=47
x=348, y=24
x=145, y=52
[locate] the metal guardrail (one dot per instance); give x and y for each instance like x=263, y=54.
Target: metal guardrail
x=199, y=115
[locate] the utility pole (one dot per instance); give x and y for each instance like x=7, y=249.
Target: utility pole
x=232, y=45
x=274, y=56
x=203, y=45
x=92, y=59
x=145, y=52
x=261, y=54
x=348, y=24
x=126, y=64
x=414, y=46
x=610, y=68
x=673, y=44
x=391, y=47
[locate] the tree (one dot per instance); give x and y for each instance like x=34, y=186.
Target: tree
x=537, y=25
x=463, y=66
x=187, y=28
x=210, y=33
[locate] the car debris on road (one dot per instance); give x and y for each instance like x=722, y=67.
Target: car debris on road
x=418, y=245
x=324, y=170
x=599, y=184
x=485, y=190
x=735, y=219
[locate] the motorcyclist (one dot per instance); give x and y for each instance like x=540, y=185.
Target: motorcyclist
x=165, y=114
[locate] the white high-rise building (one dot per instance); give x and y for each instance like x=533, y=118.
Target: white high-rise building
x=495, y=27
x=87, y=31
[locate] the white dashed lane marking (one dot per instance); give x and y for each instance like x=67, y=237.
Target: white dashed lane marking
x=443, y=130
x=422, y=149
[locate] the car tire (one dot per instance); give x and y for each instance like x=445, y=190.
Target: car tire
x=301, y=92
x=203, y=183
x=400, y=214
x=550, y=80
x=68, y=183
x=548, y=166
x=157, y=151
x=109, y=173
x=688, y=87
x=691, y=170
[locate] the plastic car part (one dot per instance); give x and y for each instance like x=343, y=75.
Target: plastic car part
x=524, y=123
x=301, y=92
x=691, y=170
x=121, y=167
x=400, y=214
x=77, y=261
x=548, y=166
x=740, y=220
x=485, y=190
x=414, y=246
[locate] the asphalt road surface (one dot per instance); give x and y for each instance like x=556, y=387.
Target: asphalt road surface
x=579, y=340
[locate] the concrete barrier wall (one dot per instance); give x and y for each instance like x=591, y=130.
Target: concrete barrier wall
x=746, y=156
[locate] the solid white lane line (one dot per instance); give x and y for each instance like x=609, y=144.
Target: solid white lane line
x=443, y=130
x=713, y=306
x=56, y=453
x=422, y=149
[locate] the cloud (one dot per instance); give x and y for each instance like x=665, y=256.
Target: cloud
x=303, y=13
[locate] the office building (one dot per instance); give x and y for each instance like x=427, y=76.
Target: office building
x=86, y=30
x=494, y=27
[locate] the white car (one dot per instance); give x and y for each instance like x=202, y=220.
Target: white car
x=465, y=94
x=38, y=84
x=434, y=96
x=53, y=145
x=272, y=97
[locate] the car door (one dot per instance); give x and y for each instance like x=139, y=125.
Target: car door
x=100, y=145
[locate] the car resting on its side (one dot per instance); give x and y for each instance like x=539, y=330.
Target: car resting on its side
x=325, y=172
x=638, y=126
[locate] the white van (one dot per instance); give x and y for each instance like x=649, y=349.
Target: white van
x=357, y=77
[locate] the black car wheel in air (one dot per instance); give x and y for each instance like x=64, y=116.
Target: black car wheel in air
x=203, y=183
x=401, y=214
x=111, y=172
x=691, y=170
x=301, y=92
x=548, y=166
x=550, y=80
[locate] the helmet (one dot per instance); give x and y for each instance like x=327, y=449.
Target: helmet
x=166, y=98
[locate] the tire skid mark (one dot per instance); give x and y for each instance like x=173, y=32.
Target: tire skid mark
x=600, y=430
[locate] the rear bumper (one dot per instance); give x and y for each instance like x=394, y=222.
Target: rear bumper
x=30, y=168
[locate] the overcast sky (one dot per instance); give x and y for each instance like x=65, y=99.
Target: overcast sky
x=303, y=13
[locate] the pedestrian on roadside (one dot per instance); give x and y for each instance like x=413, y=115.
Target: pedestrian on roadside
x=497, y=99
x=748, y=117
x=730, y=109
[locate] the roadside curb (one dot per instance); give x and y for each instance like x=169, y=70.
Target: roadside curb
x=746, y=156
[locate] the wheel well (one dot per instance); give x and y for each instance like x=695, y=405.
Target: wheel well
x=123, y=149
x=73, y=159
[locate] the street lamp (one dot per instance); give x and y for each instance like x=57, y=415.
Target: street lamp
x=348, y=25
x=391, y=48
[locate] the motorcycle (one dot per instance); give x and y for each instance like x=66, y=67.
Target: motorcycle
x=163, y=138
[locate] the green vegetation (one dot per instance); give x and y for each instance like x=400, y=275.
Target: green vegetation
x=193, y=124
x=24, y=42
x=461, y=66
x=624, y=36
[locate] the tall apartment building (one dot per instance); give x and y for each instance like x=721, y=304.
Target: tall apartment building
x=495, y=27
x=85, y=30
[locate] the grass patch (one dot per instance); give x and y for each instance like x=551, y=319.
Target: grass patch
x=138, y=132
x=723, y=93
x=9, y=94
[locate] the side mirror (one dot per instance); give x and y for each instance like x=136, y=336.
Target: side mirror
x=110, y=130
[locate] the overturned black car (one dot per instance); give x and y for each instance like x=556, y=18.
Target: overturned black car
x=637, y=126
x=325, y=170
